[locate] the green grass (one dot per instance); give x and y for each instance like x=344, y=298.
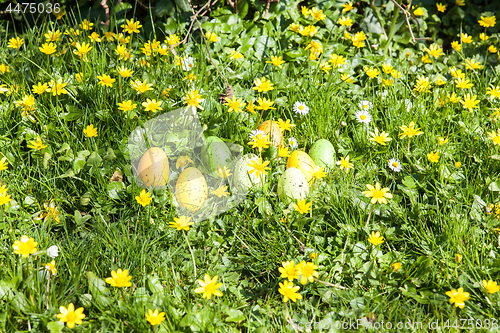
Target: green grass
x=437, y=211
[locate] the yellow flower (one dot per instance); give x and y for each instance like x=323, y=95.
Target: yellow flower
x=126, y=106
x=302, y=207
x=313, y=256
x=260, y=141
x=130, y=26
x=70, y=316
x=422, y=84
x=106, y=80
x=48, y=48
x=156, y=317
x=425, y=59
x=456, y=46
x=295, y=27
x=223, y=172
x=456, y=73
x=285, y=125
x=396, y=266
x=371, y=72
x=15, y=43
x=409, y=131
x=221, y=191
x=458, y=297
x=236, y=55
x=144, y=198
x=52, y=213
x=209, y=287
x=466, y=38
x=263, y=85
x=181, y=223
x=337, y=60
x=51, y=267
x=358, y=39
x=172, y=39
x=86, y=25
x=460, y=2
x=234, y=105
x=37, y=145
x=289, y=270
x=472, y=64
x=317, y=14
x=492, y=49
x=440, y=80
x=440, y=7
x=52, y=36
x=109, y=36
x=152, y=105
x=453, y=98
x=495, y=137
x=25, y=246
x=57, y=87
x=433, y=157
x=435, y=51
x=442, y=141
x=40, y=88
x=4, y=164
x=487, y=21
x=193, y=98
x=211, y=37
x=125, y=72
x=182, y=161
x=141, y=87
x=375, y=238
x=387, y=68
x=469, y=102
x=483, y=36
x=258, y=167
x=319, y=173
x=82, y=50
x=315, y=49
x=346, y=78
x=345, y=164
x=119, y=278
x=381, y=138
x=310, y=31
x=458, y=164
x=95, y=37
x=418, y=12
x=494, y=92
x=289, y=291
x=250, y=107
x=491, y=287
x=345, y=21
x=283, y=151
x=276, y=61
x=5, y=69
x=90, y=131
x=305, y=11
x=347, y=7
x=463, y=83
x=377, y=194
x=307, y=272
x=264, y=104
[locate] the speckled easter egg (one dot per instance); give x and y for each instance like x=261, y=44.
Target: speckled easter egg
x=154, y=168
x=191, y=189
x=292, y=185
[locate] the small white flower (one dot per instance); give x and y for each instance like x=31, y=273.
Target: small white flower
x=53, y=251
x=395, y=164
x=408, y=104
x=301, y=108
x=188, y=63
x=255, y=132
x=292, y=142
x=363, y=116
x=365, y=105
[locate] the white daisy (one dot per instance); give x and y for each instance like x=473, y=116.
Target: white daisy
x=254, y=133
x=292, y=142
x=365, y=105
x=188, y=63
x=301, y=108
x=363, y=116
x=395, y=164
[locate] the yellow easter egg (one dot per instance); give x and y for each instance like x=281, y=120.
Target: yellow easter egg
x=191, y=189
x=154, y=168
x=275, y=133
x=302, y=161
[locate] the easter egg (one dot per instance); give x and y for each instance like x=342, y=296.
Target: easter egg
x=244, y=180
x=154, y=168
x=302, y=161
x=292, y=185
x=191, y=189
x=323, y=153
x=275, y=133
x=214, y=153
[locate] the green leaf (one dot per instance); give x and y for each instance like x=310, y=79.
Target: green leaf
x=164, y=7
x=97, y=288
x=183, y=4
x=242, y=8
x=74, y=113
x=94, y=159
x=234, y=315
x=155, y=285
x=114, y=188
x=80, y=160
x=55, y=326
x=494, y=186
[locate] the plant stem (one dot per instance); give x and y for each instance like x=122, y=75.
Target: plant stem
x=392, y=30
x=190, y=250
x=369, y=215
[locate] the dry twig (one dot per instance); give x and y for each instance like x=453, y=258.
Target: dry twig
x=106, y=10
x=407, y=17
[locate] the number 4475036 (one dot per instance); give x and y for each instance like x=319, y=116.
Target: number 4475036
x=34, y=8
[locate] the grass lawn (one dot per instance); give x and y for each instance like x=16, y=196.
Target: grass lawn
x=387, y=217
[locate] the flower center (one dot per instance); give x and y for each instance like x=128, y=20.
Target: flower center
x=301, y=107
x=363, y=117
x=395, y=164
